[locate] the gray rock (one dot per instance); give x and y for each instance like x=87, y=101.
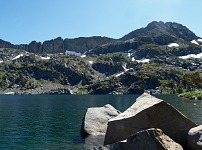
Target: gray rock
x=53, y=46
x=149, y=112
x=93, y=141
x=151, y=139
x=96, y=119
x=194, y=139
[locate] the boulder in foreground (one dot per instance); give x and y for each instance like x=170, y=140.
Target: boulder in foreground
x=195, y=138
x=151, y=139
x=149, y=112
x=96, y=119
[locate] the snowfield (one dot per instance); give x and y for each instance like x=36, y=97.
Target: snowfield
x=194, y=42
x=45, y=58
x=72, y=53
x=90, y=62
x=18, y=56
x=191, y=56
x=173, y=45
x=199, y=40
x=83, y=56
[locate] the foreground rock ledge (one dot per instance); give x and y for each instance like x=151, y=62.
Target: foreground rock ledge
x=149, y=112
x=95, y=120
x=194, y=138
x=151, y=139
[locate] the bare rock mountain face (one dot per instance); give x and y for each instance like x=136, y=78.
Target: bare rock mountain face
x=161, y=33
x=5, y=44
x=60, y=45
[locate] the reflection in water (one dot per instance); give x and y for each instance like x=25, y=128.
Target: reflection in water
x=53, y=121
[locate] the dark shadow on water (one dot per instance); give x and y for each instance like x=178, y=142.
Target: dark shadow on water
x=90, y=141
x=78, y=140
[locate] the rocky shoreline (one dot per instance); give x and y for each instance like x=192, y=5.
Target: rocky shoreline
x=149, y=124
x=43, y=89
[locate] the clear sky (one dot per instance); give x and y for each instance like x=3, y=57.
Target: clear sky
x=22, y=21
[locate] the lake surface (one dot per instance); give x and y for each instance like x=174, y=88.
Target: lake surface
x=53, y=121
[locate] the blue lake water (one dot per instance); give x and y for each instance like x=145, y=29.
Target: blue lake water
x=53, y=121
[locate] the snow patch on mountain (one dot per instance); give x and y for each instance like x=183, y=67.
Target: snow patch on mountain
x=45, y=58
x=18, y=56
x=199, y=40
x=83, y=56
x=194, y=42
x=173, y=45
x=90, y=62
x=143, y=60
x=191, y=56
x=120, y=74
x=72, y=53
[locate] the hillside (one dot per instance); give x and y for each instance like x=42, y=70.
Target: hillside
x=162, y=58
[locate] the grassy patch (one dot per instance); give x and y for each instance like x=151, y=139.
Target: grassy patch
x=192, y=95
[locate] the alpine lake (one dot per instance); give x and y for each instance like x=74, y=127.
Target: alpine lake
x=54, y=121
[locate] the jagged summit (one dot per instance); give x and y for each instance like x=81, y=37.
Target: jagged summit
x=157, y=29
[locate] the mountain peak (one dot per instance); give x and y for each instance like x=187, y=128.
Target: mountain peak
x=155, y=24
x=158, y=29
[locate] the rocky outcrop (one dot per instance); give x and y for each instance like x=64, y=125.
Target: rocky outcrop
x=117, y=46
x=149, y=112
x=53, y=46
x=60, y=45
x=194, y=138
x=44, y=89
x=34, y=47
x=83, y=44
x=5, y=44
x=95, y=120
x=151, y=139
x=108, y=68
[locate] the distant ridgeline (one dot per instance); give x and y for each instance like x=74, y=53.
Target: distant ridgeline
x=162, y=57
x=158, y=34
x=60, y=45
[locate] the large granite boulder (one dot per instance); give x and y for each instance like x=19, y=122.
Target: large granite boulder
x=149, y=112
x=194, y=139
x=96, y=119
x=151, y=139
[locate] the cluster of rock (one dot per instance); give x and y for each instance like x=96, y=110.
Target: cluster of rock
x=149, y=124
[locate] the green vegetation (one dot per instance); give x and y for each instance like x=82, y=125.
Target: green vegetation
x=197, y=95
x=108, y=74
x=114, y=57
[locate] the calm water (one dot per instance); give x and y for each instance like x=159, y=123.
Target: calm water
x=53, y=121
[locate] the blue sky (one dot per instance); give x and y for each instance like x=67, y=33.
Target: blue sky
x=22, y=21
